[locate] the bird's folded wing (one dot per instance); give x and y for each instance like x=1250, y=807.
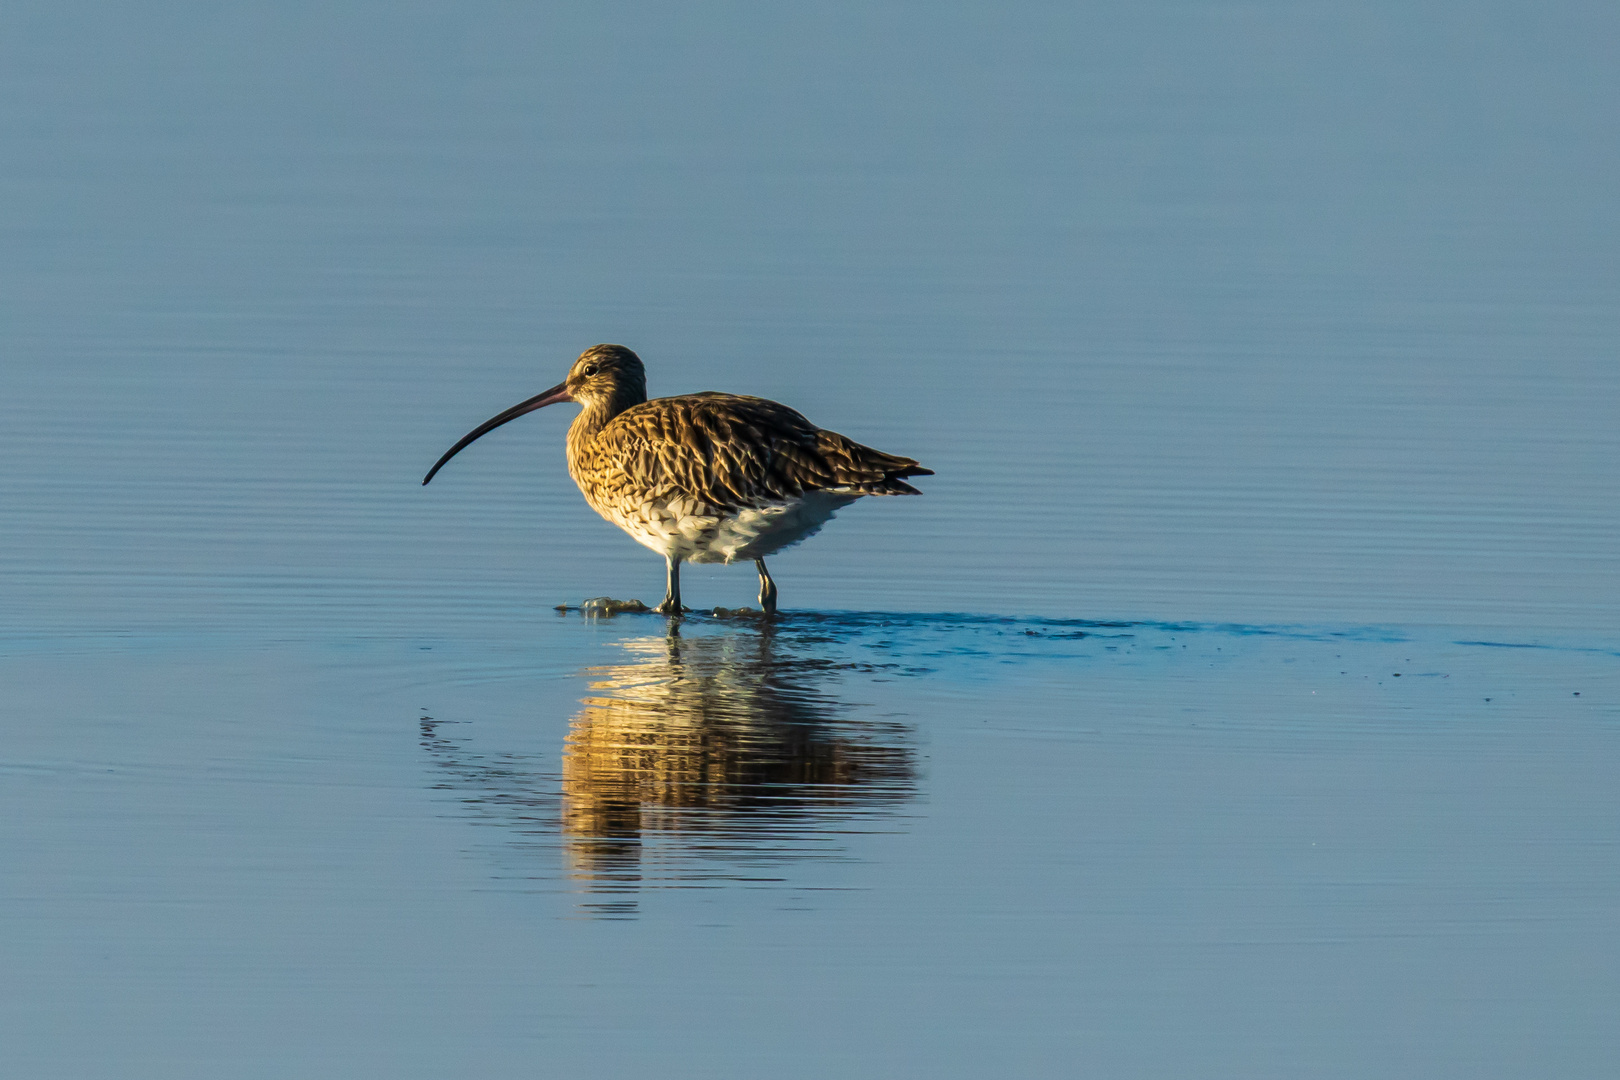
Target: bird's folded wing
x=733, y=451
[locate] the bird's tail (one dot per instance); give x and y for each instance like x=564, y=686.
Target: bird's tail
x=865, y=471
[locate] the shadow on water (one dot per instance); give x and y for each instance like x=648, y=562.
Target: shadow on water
x=703, y=759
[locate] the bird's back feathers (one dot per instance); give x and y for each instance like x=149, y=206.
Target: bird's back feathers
x=733, y=452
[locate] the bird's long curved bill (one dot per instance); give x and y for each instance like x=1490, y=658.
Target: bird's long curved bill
x=550, y=397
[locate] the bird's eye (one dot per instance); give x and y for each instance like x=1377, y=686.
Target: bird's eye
x=588, y=370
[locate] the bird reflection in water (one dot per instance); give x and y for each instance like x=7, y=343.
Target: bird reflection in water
x=703, y=760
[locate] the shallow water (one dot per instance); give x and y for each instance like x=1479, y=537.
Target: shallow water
x=868, y=843
x=1239, y=700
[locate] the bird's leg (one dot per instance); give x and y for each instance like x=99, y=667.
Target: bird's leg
x=672, y=594
x=767, y=589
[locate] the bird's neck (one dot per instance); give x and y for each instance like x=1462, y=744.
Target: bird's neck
x=598, y=413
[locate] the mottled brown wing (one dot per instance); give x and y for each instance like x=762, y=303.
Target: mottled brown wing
x=734, y=451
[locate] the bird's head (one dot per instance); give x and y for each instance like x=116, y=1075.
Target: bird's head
x=604, y=375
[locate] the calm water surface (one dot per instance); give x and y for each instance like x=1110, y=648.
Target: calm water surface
x=1242, y=699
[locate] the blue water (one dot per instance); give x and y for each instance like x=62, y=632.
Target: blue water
x=1240, y=699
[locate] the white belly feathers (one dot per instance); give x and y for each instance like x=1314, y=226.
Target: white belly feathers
x=691, y=531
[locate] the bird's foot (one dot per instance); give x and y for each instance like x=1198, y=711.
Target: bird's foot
x=606, y=605
x=744, y=613
x=670, y=607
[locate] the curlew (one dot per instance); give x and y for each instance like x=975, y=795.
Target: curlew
x=703, y=478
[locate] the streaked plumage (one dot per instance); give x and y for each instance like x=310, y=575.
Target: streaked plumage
x=704, y=477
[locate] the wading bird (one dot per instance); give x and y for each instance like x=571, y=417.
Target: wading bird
x=707, y=477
